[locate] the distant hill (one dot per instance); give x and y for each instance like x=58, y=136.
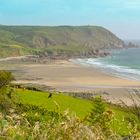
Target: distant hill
x=60, y=40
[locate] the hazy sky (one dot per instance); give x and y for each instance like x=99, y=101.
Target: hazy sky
x=120, y=16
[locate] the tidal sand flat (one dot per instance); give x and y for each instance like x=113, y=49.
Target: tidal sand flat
x=66, y=75
x=69, y=77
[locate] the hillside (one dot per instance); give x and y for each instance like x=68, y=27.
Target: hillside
x=60, y=40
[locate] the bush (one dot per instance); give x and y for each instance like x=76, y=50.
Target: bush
x=5, y=78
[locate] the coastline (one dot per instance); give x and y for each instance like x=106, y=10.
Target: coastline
x=66, y=76
x=116, y=64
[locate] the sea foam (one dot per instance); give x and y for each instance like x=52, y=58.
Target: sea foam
x=119, y=71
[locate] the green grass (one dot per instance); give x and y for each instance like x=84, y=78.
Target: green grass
x=79, y=106
x=12, y=50
x=75, y=105
x=119, y=125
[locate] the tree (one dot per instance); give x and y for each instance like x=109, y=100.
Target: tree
x=96, y=114
x=101, y=116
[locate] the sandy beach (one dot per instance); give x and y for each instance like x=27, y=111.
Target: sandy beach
x=69, y=77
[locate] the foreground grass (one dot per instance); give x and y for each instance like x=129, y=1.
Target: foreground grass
x=32, y=115
x=80, y=107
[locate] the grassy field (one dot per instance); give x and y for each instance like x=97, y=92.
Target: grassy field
x=79, y=106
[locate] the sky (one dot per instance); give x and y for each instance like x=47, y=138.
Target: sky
x=122, y=17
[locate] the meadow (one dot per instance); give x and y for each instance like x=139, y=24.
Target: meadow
x=78, y=106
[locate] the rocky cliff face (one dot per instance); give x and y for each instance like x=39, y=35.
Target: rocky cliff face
x=56, y=41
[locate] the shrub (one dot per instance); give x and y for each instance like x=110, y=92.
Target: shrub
x=5, y=78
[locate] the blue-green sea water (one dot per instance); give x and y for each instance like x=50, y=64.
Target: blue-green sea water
x=124, y=63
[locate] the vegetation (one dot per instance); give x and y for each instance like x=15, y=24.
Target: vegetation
x=68, y=40
x=5, y=78
x=27, y=114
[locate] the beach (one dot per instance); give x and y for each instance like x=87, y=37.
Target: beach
x=66, y=76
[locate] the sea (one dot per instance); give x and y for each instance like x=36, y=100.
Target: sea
x=124, y=63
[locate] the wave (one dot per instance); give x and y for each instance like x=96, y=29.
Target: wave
x=121, y=71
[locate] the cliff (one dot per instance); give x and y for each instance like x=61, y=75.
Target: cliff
x=55, y=41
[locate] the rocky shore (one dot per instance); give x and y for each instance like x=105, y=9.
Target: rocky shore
x=43, y=58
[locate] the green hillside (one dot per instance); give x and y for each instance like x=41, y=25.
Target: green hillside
x=78, y=106
x=60, y=40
